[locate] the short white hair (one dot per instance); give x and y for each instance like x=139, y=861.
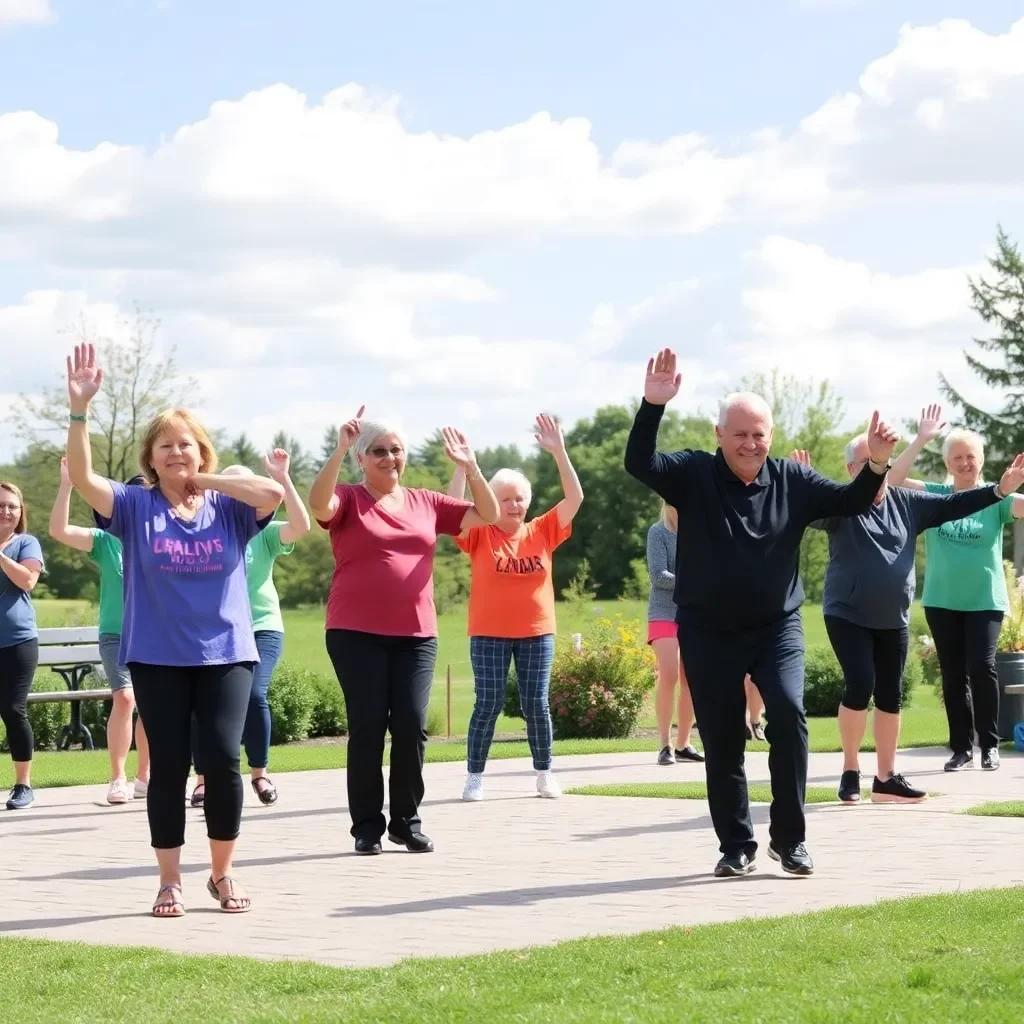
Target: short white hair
x=237, y=470
x=959, y=435
x=851, y=447
x=513, y=478
x=737, y=398
x=369, y=431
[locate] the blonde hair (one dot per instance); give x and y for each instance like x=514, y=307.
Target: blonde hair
x=158, y=424
x=22, y=525
x=669, y=517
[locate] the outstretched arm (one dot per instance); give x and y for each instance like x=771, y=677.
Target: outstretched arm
x=259, y=492
x=549, y=437
x=936, y=509
x=803, y=456
x=84, y=380
x=929, y=427
x=76, y=537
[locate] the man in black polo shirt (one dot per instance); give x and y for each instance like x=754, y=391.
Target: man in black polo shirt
x=742, y=516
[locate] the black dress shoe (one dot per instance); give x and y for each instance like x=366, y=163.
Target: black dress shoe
x=367, y=847
x=795, y=859
x=415, y=842
x=733, y=865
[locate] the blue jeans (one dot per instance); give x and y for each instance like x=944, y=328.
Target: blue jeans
x=491, y=658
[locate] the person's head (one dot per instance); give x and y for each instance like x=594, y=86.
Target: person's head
x=237, y=470
x=857, y=455
x=13, y=516
x=133, y=481
x=174, y=447
x=514, y=493
x=380, y=453
x=744, y=433
x=963, y=451
x=669, y=516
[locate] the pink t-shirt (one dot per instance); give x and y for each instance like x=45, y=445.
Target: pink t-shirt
x=384, y=561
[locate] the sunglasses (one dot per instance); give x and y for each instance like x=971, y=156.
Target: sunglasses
x=383, y=453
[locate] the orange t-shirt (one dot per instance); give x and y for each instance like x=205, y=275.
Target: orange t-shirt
x=511, y=594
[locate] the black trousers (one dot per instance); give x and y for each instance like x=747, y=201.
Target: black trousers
x=17, y=669
x=386, y=681
x=965, y=643
x=168, y=696
x=872, y=661
x=716, y=662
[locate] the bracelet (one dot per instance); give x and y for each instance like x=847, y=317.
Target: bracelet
x=995, y=487
x=77, y=418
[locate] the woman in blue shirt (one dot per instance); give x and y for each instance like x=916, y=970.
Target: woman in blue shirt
x=21, y=562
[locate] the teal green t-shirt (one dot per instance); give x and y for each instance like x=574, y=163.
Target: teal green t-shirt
x=964, y=559
x=106, y=553
x=260, y=554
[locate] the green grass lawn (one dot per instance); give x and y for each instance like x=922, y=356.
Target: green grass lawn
x=759, y=793
x=935, y=959
x=999, y=809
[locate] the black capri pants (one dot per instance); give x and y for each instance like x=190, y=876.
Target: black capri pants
x=872, y=661
x=17, y=669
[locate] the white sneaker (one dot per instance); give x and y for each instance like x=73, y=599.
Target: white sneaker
x=474, y=788
x=547, y=785
x=141, y=789
x=118, y=792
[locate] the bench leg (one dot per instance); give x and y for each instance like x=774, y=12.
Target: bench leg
x=75, y=731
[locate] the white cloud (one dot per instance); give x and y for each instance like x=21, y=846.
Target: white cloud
x=25, y=12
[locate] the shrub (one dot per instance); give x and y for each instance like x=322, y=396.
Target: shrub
x=512, y=707
x=329, y=716
x=598, y=691
x=1011, y=634
x=435, y=721
x=823, y=681
x=913, y=675
x=292, y=697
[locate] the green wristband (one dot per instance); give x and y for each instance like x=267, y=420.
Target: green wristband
x=76, y=418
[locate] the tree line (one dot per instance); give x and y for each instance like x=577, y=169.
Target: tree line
x=605, y=555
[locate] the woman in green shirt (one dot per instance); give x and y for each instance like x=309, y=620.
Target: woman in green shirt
x=260, y=554
x=105, y=551
x=964, y=592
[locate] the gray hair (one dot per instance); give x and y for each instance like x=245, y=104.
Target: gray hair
x=237, y=470
x=738, y=398
x=851, y=447
x=513, y=478
x=369, y=431
x=960, y=435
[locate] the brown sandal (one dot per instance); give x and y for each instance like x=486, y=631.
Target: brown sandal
x=213, y=888
x=177, y=908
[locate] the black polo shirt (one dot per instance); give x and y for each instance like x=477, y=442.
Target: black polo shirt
x=738, y=545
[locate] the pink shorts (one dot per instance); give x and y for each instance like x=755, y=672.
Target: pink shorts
x=661, y=629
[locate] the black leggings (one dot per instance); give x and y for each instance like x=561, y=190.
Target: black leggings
x=872, y=661
x=167, y=697
x=17, y=669
x=965, y=644
x=386, y=681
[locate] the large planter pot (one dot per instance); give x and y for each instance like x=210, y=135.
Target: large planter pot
x=1010, y=671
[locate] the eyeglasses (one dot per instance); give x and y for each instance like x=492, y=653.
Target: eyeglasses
x=10, y=508
x=383, y=453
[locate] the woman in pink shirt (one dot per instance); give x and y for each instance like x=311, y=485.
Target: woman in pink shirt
x=381, y=622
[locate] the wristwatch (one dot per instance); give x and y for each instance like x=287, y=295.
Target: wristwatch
x=882, y=465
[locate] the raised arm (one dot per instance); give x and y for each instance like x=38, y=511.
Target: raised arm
x=935, y=509
x=549, y=437
x=323, y=502
x=457, y=484
x=259, y=492
x=662, y=577
x=76, y=537
x=24, y=574
x=297, y=526
x=929, y=427
x=661, y=472
x=485, y=510
x=84, y=380
x=803, y=456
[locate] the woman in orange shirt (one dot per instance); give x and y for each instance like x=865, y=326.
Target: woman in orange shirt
x=512, y=608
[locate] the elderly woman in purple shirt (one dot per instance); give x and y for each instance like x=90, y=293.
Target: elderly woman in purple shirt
x=187, y=634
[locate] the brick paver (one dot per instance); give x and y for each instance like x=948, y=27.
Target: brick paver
x=511, y=871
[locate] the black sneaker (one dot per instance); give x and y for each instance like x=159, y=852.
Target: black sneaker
x=665, y=756
x=689, y=753
x=895, y=790
x=734, y=865
x=964, y=759
x=795, y=859
x=989, y=759
x=849, y=787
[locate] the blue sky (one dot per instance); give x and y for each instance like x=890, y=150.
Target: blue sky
x=891, y=223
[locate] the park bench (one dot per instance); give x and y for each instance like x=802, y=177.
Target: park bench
x=72, y=653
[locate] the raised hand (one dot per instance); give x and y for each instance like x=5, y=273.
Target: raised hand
x=348, y=432
x=277, y=463
x=65, y=477
x=881, y=440
x=1012, y=479
x=457, y=448
x=662, y=383
x=931, y=424
x=84, y=377
x=802, y=456
x=549, y=434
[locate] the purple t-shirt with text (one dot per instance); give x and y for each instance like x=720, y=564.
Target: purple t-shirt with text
x=185, y=596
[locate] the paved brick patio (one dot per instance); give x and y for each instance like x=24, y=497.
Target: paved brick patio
x=511, y=871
